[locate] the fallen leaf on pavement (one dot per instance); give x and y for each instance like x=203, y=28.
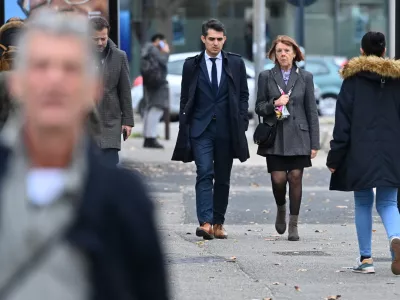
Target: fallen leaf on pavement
x=200, y=243
x=342, y=206
x=254, y=184
x=275, y=283
x=318, y=231
x=277, y=264
x=232, y=259
x=297, y=288
x=333, y=297
x=373, y=230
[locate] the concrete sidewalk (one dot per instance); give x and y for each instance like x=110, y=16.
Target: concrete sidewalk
x=256, y=263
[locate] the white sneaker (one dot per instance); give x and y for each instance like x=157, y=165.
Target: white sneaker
x=365, y=267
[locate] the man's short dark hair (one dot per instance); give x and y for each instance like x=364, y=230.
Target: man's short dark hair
x=157, y=36
x=212, y=24
x=99, y=23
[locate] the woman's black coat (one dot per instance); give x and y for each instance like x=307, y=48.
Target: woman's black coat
x=365, y=150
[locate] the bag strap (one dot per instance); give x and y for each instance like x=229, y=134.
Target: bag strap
x=31, y=263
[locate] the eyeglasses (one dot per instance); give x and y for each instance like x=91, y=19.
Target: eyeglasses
x=26, y=7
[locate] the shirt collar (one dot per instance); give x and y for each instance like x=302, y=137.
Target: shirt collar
x=219, y=56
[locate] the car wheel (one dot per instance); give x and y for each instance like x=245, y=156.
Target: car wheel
x=327, y=105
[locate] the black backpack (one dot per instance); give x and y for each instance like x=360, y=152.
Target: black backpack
x=151, y=70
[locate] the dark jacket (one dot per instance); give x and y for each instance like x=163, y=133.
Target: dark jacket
x=5, y=99
x=158, y=97
x=366, y=138
x=299, y=133
x=238, y=105
x=114, y=227
x=115, y=109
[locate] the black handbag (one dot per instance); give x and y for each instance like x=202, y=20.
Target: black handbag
x=264, y=135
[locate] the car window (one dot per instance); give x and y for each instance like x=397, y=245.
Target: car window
x=316, y=68
x=175, y=67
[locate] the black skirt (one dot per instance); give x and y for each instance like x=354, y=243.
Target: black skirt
x=288, y=163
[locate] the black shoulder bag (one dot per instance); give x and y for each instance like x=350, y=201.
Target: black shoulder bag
x=264, y=135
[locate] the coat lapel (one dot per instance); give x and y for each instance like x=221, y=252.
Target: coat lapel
x=277, y=75
x=226, y=68
x=292, y=79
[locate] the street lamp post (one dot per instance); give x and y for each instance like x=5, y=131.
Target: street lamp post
x=259, y=39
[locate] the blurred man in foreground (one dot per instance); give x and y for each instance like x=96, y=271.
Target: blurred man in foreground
x=70, y=226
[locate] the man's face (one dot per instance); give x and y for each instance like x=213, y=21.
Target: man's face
x=214, y=41
x=55, y=87
x=100, y=38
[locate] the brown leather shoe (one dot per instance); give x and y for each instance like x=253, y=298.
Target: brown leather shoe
x=220, y=232
x=206, y=231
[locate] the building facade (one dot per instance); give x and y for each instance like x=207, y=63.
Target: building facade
x=332, y=27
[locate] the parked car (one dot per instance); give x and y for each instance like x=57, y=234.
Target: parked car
x=174, y=77
x=326, y=75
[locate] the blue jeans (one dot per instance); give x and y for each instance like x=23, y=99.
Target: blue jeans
x=214, y=159
x=386, y=205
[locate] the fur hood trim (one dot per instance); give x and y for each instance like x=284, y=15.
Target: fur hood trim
x=12, y=24
x=384, y=67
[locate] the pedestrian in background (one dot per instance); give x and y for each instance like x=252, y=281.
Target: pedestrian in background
x=154, y=70
x=115, y=109
x=72, y=227
x=297, y=134
x=213, y=121
x=366, y=145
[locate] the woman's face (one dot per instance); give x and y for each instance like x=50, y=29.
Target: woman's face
x=285, y=55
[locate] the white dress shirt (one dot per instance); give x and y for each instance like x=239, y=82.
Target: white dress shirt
x=209, y=64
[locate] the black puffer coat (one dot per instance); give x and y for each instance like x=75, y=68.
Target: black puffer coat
x=365, y=148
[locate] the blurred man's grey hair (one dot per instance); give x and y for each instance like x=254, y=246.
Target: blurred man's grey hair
x=50, y=22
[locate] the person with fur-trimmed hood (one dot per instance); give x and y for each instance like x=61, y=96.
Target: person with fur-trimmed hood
x=366, y=144
x=8, y=33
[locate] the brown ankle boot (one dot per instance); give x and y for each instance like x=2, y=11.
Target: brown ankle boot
x=280, y=223
x=293, y=233
x=220, y=232
x=206, y=231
